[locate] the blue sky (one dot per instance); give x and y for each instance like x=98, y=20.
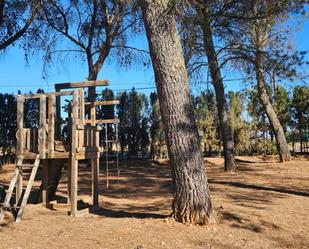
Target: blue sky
x=16, y=75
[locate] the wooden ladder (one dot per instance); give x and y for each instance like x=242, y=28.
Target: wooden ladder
x=18, y=170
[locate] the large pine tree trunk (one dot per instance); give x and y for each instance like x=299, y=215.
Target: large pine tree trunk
x=92, y=75
x=225, y=122
x=191, y=202
x=270, y=112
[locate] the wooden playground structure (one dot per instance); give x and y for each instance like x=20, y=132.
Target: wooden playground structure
x=43, y=144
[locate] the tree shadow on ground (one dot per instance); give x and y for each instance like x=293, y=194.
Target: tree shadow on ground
x=257, y=187
x=240, y=222
x=105, y=212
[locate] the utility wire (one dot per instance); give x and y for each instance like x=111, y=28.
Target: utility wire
x=117, y=84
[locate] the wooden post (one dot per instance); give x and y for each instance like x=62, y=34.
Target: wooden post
x=58, y=116
x=45, y=183
x=69, y=181
x=95, y=180
x=82, y=117
x=73, y=160
x=19, y=188
x=20, y=125
x=106, y=154
x=20, y=143
x=28, y=138
x=95, y=162
x=42, y=130
x=51, y=126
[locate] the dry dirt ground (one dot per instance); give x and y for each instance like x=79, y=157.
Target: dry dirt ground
x=264, y=205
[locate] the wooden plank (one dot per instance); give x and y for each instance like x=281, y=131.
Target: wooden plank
x=97, y=139
x=74, y=182
x=95, y=179
x=105, y=102
x=18, y=182
x=87, y=150
x=27, y=138
x=20, y=125
x=94, y=138
x=58, y=206
x=45, y=183
x=86, y=155
x=56, y=94
x=69, y=180
x=42, y=129
x=104, y=121
x=34, y=140
x=58, y=117
x=82, y=118
x=19, y=188
x=51, y=126
x=73, y=160
x=81, y=84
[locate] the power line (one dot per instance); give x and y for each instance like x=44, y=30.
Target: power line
x=135, y=88
x=117, y=84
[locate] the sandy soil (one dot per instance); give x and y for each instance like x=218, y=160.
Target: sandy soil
x=264, y=205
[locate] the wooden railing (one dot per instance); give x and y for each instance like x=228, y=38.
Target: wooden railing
x=83, y=137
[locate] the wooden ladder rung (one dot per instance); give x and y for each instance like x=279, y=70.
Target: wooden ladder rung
x=9, y=208
x=6, y=205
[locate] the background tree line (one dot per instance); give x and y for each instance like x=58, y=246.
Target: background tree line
x=141, y=128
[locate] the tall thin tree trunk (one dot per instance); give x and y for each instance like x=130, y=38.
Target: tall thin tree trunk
x=191, y=202
x=225, y=122
x=270, y=112
x=92, y=75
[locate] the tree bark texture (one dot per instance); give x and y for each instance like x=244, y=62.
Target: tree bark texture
x=191, y=204
x=225, y=122
x=270, y=112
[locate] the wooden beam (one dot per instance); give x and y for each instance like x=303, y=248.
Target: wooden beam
x=51, y=126
x=95, y=180
x=82, y=118
x=73, y=160
x=82, y=84
x=58, y=117
x=19, y=188
x=28, y=138
x=58, y=205
x=39, y=95
x=20, y=125
x=45, y=183
x=105, y=102
x=42, y=129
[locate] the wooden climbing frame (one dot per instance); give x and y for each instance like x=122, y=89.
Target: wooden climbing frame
x=46, y=142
